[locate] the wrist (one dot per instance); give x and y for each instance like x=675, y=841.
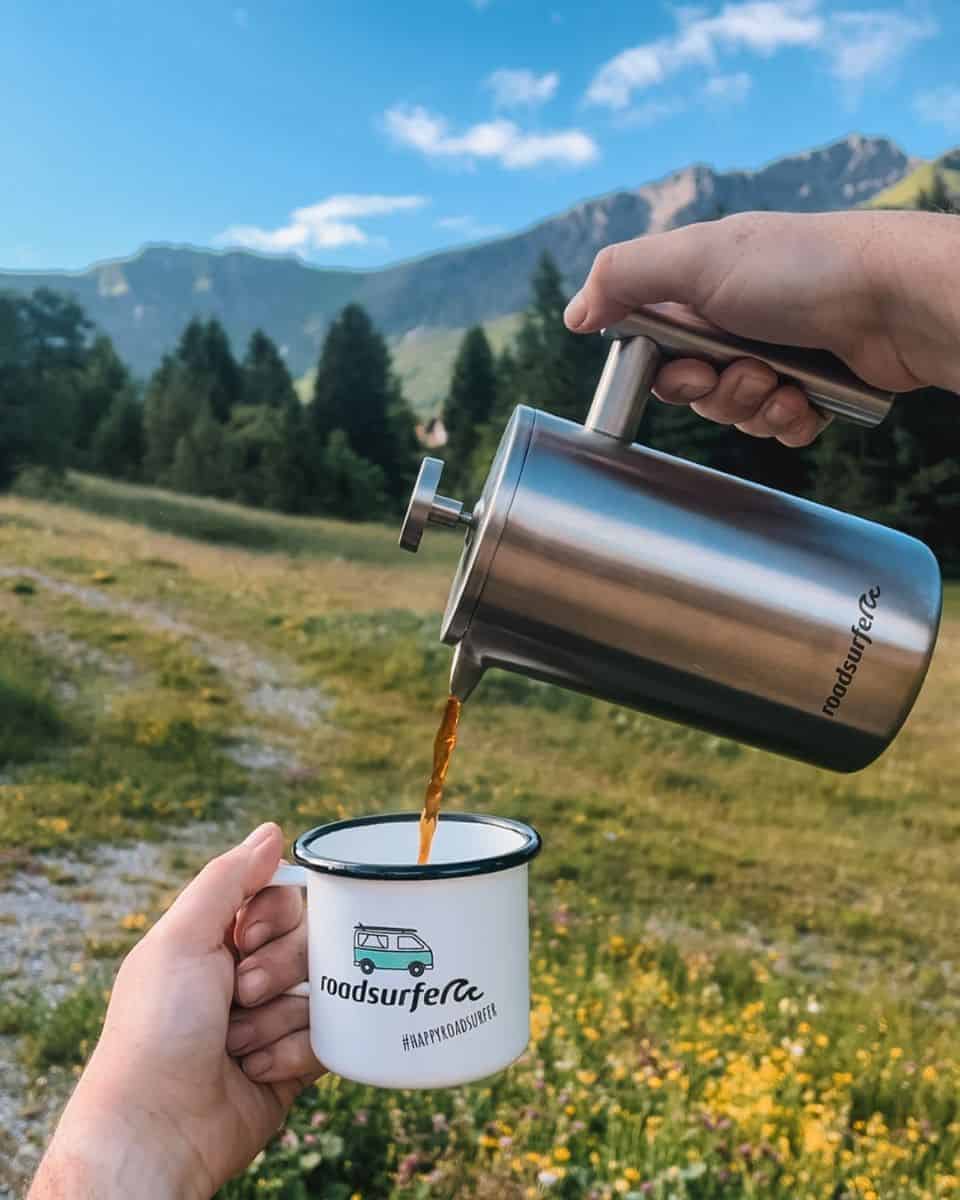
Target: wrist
x=909, y=262
x=113, y=1152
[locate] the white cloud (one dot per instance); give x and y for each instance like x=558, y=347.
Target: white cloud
x=857, y=43
x=763, y=26
x=720, y=91
x=500, y=140
x=516, y=88
x=865, y=43
x=468, y=227
x=651, y=112
x=940, y=106
x=322, y=226
x=727, y=89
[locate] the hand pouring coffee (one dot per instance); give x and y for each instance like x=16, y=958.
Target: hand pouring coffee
x=612, y=569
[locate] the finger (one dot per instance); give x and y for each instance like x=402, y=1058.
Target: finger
x=684, y=380
x=789, y=417
x=253, y=1028
x=808, y=432
x=270, y=914
x=289, y=1058
x=647, y=270
x=273, y=968
x=784, y=408
x=210, y=902
x=742, y=389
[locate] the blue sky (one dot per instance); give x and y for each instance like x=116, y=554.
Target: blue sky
x=358, y=132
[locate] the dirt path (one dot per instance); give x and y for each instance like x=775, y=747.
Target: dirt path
x=50, y=914
x=265, y=684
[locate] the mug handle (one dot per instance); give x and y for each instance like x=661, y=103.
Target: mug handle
x=290, y=875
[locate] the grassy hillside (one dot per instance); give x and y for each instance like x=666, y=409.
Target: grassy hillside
x=223, y=524
x=905, y=193
x=744, y=969
x=424, y=361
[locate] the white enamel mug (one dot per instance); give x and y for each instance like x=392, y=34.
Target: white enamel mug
x=419, y=975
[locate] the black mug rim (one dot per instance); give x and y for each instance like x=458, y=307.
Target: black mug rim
x=395, y=872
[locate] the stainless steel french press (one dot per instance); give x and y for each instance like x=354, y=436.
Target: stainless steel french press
x=612, y=569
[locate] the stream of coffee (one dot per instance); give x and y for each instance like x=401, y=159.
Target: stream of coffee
x=443, y=747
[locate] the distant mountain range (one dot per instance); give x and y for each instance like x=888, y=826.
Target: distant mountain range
x=144, y=301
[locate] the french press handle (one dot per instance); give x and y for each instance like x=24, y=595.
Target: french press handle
x=656, y=333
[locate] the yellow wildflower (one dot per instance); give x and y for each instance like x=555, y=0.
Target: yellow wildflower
x=58, y=825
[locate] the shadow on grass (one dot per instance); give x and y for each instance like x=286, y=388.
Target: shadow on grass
x=29, y=715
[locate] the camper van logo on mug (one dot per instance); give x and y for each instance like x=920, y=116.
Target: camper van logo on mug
x=441, y=996
x=391, y=948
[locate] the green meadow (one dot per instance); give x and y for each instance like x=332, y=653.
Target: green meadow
x=744, y=969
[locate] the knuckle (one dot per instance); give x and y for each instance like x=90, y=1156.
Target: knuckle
x=217, y=870
x=293, y=1055
x=604, y=265
x=788, y=412
x=752, y=379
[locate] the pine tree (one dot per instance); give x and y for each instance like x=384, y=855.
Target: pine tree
x=186, y=472
x=56, y=330
x=290, y=466
x=14, y=402
x=266, y=379
x=355, y=391
x=351, y=486
x=204, y=352
x=555, y=370
x=247, y=434
x=470, y=404
x=489, y=435
x=844, y=477
x=169, y=411
x=117, y=446
x=102, y=381
x=405, y=449
x=201, y=463
x=926, y=472
x=938, y=198
x=44, y=343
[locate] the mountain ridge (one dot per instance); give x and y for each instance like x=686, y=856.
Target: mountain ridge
x=144, y=300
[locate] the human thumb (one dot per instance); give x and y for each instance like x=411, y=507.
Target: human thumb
x=648, y=270
x=210, y=902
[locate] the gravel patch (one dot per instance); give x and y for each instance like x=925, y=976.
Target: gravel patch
x=47, y=916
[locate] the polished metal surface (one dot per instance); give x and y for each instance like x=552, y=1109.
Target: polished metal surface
x=612, y=569
x=489, y=520
x=830, y=384
x=662, y=585
x=426, y=507
x=624, y=388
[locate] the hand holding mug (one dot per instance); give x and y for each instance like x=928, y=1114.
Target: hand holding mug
x=162, y=1110
x=419, y=974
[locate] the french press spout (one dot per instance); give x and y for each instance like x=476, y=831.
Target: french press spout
x=600, y=565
